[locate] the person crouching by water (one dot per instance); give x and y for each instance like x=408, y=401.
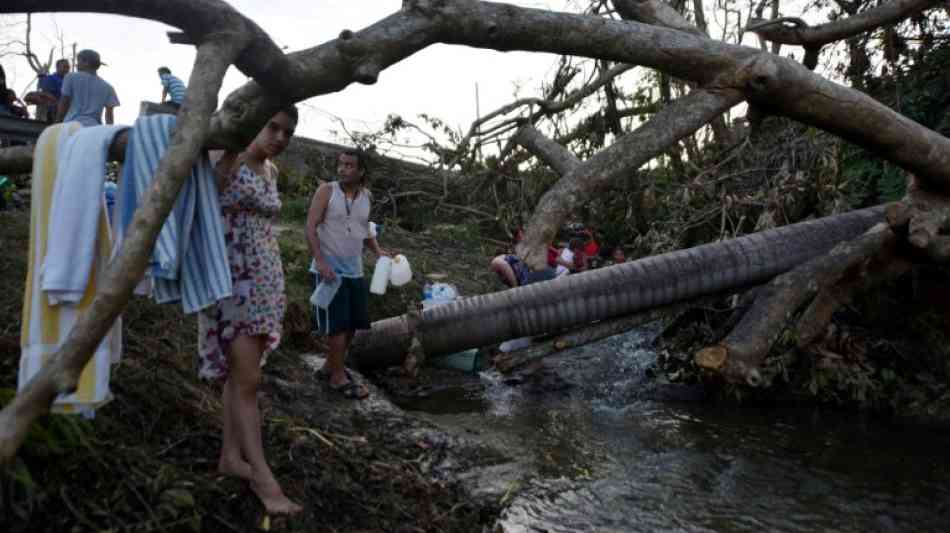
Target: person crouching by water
x=337, y=228
x=236, y=334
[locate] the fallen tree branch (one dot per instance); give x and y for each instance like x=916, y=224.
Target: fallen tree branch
x=812, y=38
x=553, y=154
x=778, y=84
x=581, y=181
x=877, y=270
x=923, y=218
x=738, y=356
x=657, y=13
x=201, y=20
x=61, y=375
x=511, y=361
x=546, y=106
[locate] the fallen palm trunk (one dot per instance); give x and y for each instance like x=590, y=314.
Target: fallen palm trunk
x=609, y=292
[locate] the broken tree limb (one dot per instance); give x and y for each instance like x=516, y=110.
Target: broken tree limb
x=262, y=59
x=795, y=31
x=800, y=33
x=61, y=375
x=511, y=361
x=578, y=185
x=553, y=154
x=738, y=357
x=778, y=84
x=883, y=267
x=923, y=217
x=657, y=13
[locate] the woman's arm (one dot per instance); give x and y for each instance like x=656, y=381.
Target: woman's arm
x=225, y=166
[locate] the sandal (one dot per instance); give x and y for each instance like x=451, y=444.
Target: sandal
x=351, y=390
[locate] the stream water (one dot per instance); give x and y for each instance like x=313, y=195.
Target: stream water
x=600, y=453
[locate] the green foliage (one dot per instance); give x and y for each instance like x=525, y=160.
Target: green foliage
x=871, y=180
x=294, y=184
x=294, y=209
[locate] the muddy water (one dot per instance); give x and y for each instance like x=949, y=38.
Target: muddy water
x=600, y=449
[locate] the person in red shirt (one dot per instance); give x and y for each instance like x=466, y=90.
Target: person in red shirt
x=591, y=248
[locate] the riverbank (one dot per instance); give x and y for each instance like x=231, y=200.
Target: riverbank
x=147, y=462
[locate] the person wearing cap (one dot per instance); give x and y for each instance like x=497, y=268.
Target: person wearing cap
x=85, y=94
x=172, y=87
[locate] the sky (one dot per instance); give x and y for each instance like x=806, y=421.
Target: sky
x=439, y=80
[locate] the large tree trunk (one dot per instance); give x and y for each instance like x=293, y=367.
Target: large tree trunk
x=609, y=292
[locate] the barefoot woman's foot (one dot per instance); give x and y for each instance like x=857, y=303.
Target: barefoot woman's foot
x=272, y=496
x=235, y=467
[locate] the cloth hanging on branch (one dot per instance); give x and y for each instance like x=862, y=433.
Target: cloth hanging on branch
x=45, y=326
x=75, y=212
x=190, y=261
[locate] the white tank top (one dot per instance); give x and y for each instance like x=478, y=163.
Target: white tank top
x=345, y=226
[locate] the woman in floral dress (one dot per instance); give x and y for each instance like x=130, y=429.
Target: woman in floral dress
x=236, y=335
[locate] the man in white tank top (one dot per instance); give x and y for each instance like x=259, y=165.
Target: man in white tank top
x=337, y=228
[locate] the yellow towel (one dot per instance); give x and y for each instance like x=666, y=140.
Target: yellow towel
x=45, y=327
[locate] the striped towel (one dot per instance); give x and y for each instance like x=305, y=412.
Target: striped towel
x=45, y=327
x=74, y=213
x=190, y=260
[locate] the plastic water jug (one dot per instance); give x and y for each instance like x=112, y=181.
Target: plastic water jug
x=381, y=275
x=325, y=292
x=401, y=273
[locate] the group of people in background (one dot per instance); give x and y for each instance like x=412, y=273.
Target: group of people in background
x=581, y=252
x=81, y=95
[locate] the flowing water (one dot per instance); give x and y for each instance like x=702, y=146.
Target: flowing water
x=598, y=455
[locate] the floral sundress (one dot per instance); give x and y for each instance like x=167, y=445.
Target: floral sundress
x=249, y=204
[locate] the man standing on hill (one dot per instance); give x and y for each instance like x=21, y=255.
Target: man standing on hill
x=85, y=94
x=337, y=227
x=172, y=87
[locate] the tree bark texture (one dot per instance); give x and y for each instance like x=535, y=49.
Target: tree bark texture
x=124, y=272
x=610, y=292
x=738, y=356
x=657, y=13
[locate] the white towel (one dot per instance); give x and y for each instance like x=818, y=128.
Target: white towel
x=190, y=260
x=45, y=327
x=74, y=213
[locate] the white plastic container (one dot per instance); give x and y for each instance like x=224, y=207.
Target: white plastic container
x=401, y=272
x=325, y=291
x=381, y=275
